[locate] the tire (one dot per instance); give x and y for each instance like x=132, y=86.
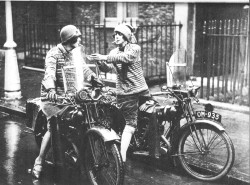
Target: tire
x=107, y=170
x=209, y=160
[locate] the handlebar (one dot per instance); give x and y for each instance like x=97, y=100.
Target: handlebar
x=160, y=93
x=177, y=92
x=86, y=94
x=58, y=97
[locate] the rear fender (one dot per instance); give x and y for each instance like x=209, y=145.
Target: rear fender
x=105, y=134
x=32, y=112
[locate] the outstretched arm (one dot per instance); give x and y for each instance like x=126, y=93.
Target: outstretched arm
x=128, y=56
x=100, y=59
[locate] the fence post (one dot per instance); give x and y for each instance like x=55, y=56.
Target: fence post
x=177, y=36
x=24, y=44
x=105, y=37
x=219, y=59
x=203, y=58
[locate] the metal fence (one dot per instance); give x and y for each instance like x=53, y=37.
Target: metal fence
x=225, y=69
x=157, y=43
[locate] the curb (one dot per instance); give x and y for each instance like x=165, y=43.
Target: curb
x=9, y=108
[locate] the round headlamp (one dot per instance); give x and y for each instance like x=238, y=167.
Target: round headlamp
x=82, y=95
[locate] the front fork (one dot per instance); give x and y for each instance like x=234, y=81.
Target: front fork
x=97, y=164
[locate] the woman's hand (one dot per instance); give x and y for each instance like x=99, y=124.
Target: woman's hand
x=52, y=96
x=97, y=57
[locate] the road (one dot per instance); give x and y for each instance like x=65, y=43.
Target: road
x=18, y=151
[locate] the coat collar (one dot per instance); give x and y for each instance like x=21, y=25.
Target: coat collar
x=62, y=49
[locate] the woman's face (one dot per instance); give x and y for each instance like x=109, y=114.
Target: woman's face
x=119, y=40
x=77, y=42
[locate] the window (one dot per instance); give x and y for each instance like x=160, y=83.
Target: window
x=117, y=12
x=110, y=10
x=132, y=10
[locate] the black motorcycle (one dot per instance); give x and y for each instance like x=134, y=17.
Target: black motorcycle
x=82, y=137
x=193, y=138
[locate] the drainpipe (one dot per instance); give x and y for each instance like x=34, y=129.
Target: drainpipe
x=12, y=88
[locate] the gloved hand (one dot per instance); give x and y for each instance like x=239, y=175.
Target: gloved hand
x=52, y=96
x=90, y=77
x=96, y=82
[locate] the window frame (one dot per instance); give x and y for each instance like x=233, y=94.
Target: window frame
x=121, y=15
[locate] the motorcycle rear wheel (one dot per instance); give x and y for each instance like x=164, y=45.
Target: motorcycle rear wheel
x=103, y=162
x=205, y=152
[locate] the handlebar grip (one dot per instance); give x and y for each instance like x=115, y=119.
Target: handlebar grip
x=58, y=97
x=159, y=93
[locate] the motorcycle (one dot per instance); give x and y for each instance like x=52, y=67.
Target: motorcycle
x=82, y=137
x=195, y=139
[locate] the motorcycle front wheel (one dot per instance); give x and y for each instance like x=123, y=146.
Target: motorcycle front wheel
x=103, y=162
x=205, y=152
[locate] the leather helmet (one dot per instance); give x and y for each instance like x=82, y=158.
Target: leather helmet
x=68, y=32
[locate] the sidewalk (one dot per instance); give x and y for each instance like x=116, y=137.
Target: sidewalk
x=238, y=115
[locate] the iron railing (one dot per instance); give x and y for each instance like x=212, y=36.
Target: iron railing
x=157, y=43
x=225, y=69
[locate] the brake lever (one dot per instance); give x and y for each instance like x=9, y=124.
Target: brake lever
x=196, y=99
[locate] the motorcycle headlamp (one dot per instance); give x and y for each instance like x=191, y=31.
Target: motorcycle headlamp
x=82, y=95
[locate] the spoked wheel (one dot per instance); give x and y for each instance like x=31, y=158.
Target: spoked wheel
x=103, y=162
x=205, y=152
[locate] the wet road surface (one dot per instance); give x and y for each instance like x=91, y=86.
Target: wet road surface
x=18, y=151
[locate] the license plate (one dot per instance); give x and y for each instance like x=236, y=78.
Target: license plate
x=208, y=115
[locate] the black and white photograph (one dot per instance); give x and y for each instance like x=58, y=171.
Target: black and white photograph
x=117, y=92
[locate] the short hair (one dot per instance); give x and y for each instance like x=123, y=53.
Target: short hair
x=72, y=40
x=123, y=36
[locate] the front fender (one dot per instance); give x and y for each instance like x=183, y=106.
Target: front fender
x=106, y=134
x=209, y=122
x=196, y=122
x=202, y=121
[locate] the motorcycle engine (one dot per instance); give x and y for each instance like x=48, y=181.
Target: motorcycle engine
x=166, y=113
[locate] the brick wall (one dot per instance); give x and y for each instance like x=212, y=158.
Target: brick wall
x=157, y=13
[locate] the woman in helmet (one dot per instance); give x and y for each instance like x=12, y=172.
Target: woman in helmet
x=52, y=83
x=131, y=84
